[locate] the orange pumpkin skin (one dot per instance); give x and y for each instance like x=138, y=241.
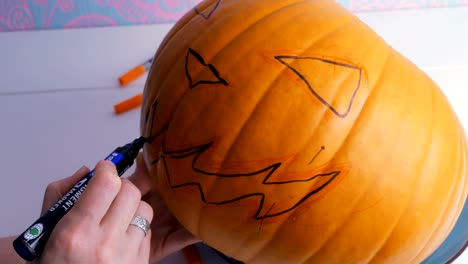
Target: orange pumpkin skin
x=287, y=131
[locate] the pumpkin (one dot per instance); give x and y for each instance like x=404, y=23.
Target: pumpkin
x=287, y=131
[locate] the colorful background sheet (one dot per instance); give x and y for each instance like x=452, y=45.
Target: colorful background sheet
x=18, y=15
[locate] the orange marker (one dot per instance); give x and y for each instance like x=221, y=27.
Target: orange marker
x=129, y=104
x=136, y=72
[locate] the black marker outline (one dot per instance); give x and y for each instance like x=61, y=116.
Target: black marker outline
x=210, y=13
x=196, y=151
x=281, y=58
x=153, y=109
x=322, y=148
x=150, y=137
x=200, y=59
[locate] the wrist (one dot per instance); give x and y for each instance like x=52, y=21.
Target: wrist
x=8, y=253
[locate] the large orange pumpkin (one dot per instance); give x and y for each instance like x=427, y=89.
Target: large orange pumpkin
x=287, y=131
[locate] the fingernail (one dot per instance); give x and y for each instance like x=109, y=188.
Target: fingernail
x=83, y=169
x=105, y=164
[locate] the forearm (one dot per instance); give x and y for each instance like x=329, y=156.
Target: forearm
x=7, y=253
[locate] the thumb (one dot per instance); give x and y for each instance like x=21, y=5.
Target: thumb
x=141, y=177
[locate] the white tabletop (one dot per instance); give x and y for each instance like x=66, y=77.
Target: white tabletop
x=58, y=88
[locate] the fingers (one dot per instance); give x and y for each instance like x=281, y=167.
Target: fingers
x=145, y=247
x=141, y=177
x=136, y=233
x=112, y=201
x=99, y=225
x=100, y=193
x=123, y=207
x=139, y=231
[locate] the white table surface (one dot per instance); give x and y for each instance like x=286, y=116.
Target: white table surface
x=58, y=88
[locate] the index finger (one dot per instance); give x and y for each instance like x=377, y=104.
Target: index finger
x=99, y=194
x=140, y=178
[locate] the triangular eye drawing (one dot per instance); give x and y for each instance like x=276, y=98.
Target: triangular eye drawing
x=200, y=72
x=335, y=84
x=207, y=12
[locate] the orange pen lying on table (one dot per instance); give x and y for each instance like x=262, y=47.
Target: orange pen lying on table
x=129, y=104
x=136, y=72
x=125, y=79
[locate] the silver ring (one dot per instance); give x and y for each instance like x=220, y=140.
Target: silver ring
x=141, y=223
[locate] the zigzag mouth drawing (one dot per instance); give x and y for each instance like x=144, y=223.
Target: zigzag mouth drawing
x=260, y=183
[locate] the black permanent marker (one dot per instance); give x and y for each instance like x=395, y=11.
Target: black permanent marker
x=29, y=245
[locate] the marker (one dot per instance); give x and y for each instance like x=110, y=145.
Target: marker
x=129, y=104
x=29, y=245
x=135, y=72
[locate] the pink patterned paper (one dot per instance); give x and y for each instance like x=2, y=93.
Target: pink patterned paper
x=141, y=11
x=15, y=14
x=89, y=21
x=47, y=14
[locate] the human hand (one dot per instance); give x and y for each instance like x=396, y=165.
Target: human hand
x=168, y=235
x=97, y=230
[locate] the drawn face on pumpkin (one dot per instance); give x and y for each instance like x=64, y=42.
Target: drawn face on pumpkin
x=237, y=126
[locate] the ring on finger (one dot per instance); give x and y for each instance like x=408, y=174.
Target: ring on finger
x=142, y=223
